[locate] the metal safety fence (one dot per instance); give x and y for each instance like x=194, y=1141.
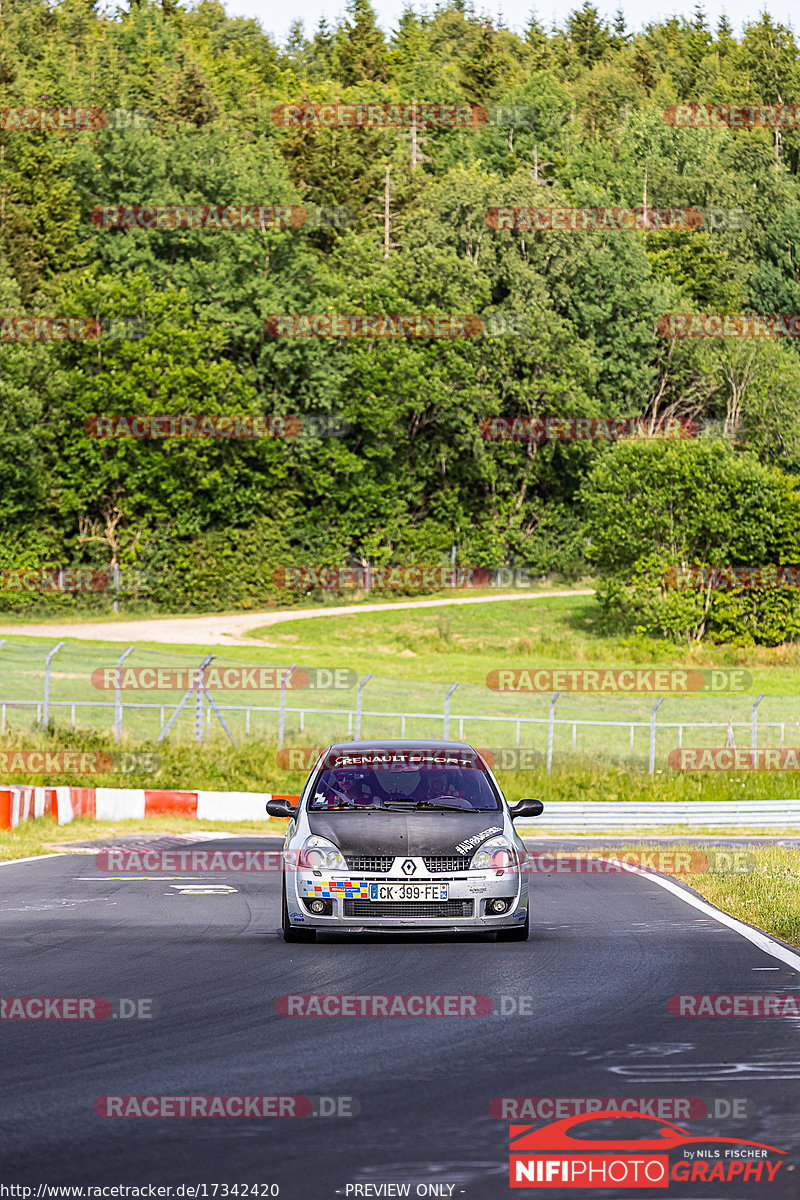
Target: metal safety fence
x=147, y=694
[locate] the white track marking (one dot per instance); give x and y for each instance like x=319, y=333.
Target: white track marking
x=762, y=940
x=9, y=862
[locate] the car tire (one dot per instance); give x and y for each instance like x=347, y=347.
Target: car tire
x=520, y=934
x=290, y=932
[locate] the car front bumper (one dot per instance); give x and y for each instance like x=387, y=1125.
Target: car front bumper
x=352, y=910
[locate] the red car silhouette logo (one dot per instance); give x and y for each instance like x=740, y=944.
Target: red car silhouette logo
x=553, y=1157
x=556, y=1136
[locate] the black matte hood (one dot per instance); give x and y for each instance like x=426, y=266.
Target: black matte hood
x=380, y=831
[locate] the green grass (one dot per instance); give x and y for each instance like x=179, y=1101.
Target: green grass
x=767, y=897
x=252, y=766
x=466, y=641
x=413, y=655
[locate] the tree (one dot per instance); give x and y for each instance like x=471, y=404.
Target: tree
x=726, y=42
x=360, y=54
x=699, y=38
x=486, y=69
x=298, y=47
x=653, y=507
x=536, y=37
x=588, y=34
x=620, y=38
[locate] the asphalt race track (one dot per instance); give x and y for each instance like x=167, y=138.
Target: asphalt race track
x=605, y=954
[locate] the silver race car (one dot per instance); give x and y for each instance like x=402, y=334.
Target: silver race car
x=398, y=835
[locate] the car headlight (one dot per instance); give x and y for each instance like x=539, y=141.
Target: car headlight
x=495, y=855
x=318, y=854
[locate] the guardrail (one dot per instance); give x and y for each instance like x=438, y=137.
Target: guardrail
x=749, y=814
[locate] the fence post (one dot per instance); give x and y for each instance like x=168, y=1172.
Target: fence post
x=653, y=712
x=46, y=697
x=359, y=701
x=198, y=681
x=550, y=728
x=448, y=694
x=756, y=703
x=118, y=693
x=198, y=716
x=282, y=713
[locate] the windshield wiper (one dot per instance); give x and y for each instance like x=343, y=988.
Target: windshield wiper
x=340, y=807
x=438, y=805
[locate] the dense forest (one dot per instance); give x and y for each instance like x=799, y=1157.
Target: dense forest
x=395, y=222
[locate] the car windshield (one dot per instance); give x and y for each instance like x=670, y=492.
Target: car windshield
x=397, y=781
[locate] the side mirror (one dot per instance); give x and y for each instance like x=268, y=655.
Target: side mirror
x=524, y=808
x=278, y=806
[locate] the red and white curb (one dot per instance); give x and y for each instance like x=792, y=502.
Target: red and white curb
x=19, y=804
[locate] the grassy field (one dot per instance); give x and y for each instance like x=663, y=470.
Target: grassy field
x=413, y=656
x=465, y=642
x=767, y=896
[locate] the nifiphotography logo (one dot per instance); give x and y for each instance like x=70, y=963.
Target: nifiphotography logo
x=654, y=1154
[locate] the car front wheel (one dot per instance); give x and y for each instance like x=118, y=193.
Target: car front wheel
x=290, y=932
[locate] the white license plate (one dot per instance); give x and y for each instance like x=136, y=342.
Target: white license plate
x=408, y=891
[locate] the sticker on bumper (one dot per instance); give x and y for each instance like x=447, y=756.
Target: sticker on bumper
x=346, y=889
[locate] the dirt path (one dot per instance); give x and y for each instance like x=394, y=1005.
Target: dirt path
x=232, y=629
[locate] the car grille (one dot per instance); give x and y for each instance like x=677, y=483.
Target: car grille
x=415, y=908
x=445, y=862
x=369, y=862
